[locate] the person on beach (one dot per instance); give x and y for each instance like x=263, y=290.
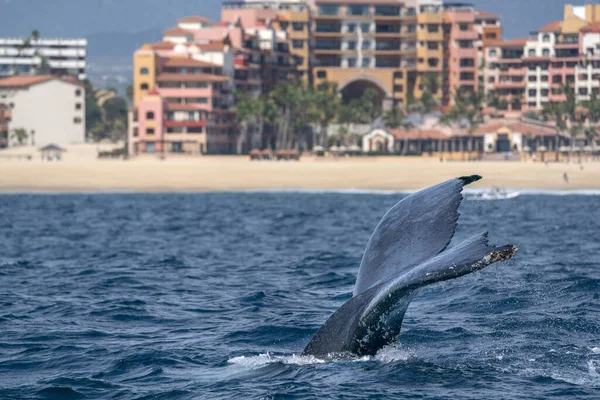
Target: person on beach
x=566, y=177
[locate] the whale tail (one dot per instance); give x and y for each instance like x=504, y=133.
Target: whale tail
x=391, y=273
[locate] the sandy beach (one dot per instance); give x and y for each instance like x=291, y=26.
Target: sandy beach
x=81, y=171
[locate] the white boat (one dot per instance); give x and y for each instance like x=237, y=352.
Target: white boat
x=494, y=194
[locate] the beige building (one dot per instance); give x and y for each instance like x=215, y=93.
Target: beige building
x=48, y=108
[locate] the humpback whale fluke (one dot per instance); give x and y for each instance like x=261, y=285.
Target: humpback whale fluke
x=406, y=252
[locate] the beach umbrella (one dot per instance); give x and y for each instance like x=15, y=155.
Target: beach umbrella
x=576, y=148
x=564, y=149
x=334, y=148
x=588, y=149
x=318, y=148
x=354, y=148
x=527, y=149
x=542, y=148
x=343, y=148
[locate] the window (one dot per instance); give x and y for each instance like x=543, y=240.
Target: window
x=493, y=53
x=491, y=79
x=298, y=44
x=352, y=45
x=583, y=91
x=77, y=120
x=546, y=52
x=150, y=115
x=365, y=27
x=432, y=45
x=531, y=52
x=366, y=62
x=366, y=45
x=358, y=10
x=144, y=71
x=328, y=10
x=136, y=132
x=532, y=78
x=545, y=92
x=491, y=35
x=78, y=106
x=351, y=28
x=322, y=74
x=144, y=86
x=298, y=26
x=532, y=92
x=352, y=62
x=78, y=92
x=463, y=27
x=398, y=88
x=195, y=130
x=467, y=62
x=544, y=78
x=150, y=131
x=432, y=28
x=398, y=75
x=546, y=38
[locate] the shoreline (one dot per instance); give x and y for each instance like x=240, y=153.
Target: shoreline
x=238, y=174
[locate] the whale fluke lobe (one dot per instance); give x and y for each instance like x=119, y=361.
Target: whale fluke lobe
x=406, y=252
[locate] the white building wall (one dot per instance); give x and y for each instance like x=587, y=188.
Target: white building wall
x=48, y=109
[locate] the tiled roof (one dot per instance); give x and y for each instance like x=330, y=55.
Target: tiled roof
x=523, y=127
x=211, y=46
x=485, y=14
x=553, y=26
x=21, y=81
x=162, y=45
x=191, y=78
x=591, y=28
x=187, y=62
x=177, y=31
x=513, y=43
x=416, y=134
x=196, y=18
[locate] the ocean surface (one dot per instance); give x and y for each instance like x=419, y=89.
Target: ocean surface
x=214, y=296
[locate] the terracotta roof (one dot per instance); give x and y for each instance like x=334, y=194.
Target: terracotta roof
x=485, y=14
x=187, y=62
x=416, y=134
x=177, y=31
x=591, y=28
x=196, y=18
x=223, y=24
x=551, y=27
x=211, y=46
x=191, y=78
x=30, y=80
x=517, y=126
x=162, y=45
x=512, y=43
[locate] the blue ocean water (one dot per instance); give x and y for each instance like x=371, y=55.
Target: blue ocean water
x=213, y=296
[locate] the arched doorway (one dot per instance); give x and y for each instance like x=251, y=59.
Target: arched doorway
x=355, y=88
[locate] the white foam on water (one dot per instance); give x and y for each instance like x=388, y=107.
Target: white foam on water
x=265, y=359
x=387, y=355
x=595, y=350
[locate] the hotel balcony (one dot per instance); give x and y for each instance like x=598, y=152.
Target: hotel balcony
x=465, y=35
x=511, y=84
x=426, y=35
x=430, y=18
x=424, y=52
x=187, y=124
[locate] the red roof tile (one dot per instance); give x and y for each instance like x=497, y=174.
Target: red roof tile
x=486, y=15
x=553, y=26
x=191, y=78
x=163, y=45
x=196, y=18
x=416, y=134
x=513, y=43
x=30, y=80
x=177, y=31
x=187, y=62
x=591, y=28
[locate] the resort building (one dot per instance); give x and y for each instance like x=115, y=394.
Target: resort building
x=48, y=109
x=60, y=57
x=506, y=139
x=527, y=73
x=390, y=45
x=183, y=85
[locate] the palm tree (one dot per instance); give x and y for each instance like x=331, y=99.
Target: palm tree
x=396, y=119
x=468, y=112
x=591, y=133
x=328, y=106
x=555, y=112
x=576, y=130
x=20, y=135
x=245, y=111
